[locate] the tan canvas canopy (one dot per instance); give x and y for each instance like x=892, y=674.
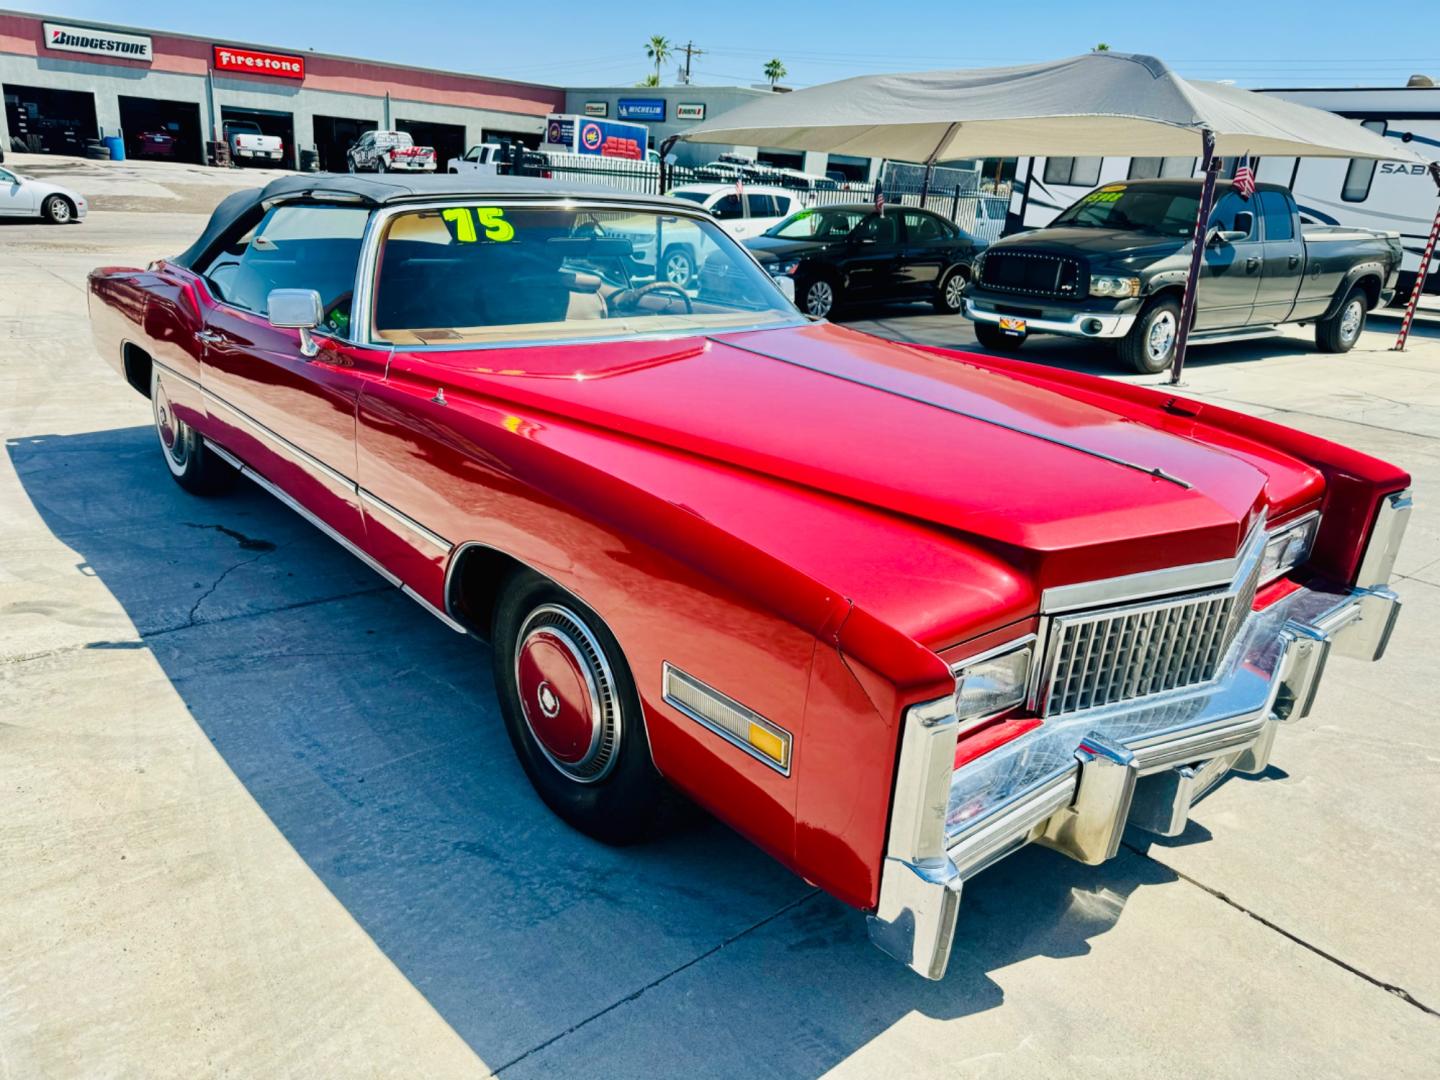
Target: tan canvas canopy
x=1096, y=104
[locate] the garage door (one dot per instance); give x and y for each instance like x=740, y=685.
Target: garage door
x=162, y=130
x=447, y=139
x=334, y=135
x=279, y=124
x=49, y=121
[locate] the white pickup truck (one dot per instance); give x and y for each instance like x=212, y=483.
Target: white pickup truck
x=249, y=143
x=389, y=151
x=483, y=158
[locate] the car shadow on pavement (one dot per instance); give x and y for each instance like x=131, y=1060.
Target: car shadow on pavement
x=370, y=736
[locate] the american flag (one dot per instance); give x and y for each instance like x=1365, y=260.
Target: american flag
x=879, y=199
x=1245, y=177
x=740, y=186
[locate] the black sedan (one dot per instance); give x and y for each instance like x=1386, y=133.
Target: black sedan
x=853, y=253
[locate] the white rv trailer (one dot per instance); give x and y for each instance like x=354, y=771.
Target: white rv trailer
x=1389, y=196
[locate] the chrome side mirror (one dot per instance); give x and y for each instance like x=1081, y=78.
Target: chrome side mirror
x=786, y=286
x=297, y=309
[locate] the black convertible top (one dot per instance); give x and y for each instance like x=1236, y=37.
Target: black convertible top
x=250, y=204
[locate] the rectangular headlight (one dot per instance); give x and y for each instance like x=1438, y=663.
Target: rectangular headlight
x=1289, y=547
x=1114, y=286
x=994, y=682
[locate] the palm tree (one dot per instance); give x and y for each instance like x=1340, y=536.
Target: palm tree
x=774, y=71
x=649, y=80
x=658, y=49
x=1102, y=47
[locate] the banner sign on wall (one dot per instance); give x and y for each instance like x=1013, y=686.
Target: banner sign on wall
x=597, y=108
x=652, y=109
x=693, y=110
x=81, y=39
x=255, y=62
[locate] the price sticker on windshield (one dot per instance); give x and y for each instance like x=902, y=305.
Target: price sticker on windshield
x=473, y=222
x=1105, y=194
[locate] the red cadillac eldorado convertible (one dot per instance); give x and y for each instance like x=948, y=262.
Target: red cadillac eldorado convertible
x=891, y=612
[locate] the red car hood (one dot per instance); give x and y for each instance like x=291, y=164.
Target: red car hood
x=1071, y=491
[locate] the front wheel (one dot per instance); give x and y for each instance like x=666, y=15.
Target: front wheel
x=380, y=165
x=820, y=298
x=350, y=163
x=997, y=340
x=679, y=267
x=950, y=297
x=57, y=210
x=1149, y=347
x=573, y=713
x=1341, y=331
x=189, y=460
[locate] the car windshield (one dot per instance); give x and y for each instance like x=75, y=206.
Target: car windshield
x=818, y=225
x=1164, y=211
x=469, y=273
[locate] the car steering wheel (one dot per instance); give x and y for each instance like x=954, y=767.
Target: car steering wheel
x=631, y=298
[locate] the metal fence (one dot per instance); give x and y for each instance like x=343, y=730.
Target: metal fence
x=952, y=193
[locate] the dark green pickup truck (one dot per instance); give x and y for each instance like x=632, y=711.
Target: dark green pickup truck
x=1113, y=267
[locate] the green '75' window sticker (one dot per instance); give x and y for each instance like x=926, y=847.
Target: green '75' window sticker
x=470, y=222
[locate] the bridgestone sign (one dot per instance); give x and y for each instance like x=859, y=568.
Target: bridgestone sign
x=82, y=39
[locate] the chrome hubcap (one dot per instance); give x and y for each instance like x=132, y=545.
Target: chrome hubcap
x=1162, y=336
x=173, y=434
x=1350, y=321
x=567, y=694
x=677, y=269
x=61, y=210
x=820, y=298
x=954, y=289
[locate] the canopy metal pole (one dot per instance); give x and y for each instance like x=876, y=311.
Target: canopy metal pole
x=1197, y=253
x=1424, y=270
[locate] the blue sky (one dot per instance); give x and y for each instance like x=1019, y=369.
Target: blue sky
x=1259, y=43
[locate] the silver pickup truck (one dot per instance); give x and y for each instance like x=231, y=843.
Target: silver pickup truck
x=1113, y=267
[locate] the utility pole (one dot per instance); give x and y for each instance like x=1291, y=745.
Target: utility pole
x=690, y=50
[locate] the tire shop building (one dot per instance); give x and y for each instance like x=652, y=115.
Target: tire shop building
x=65, y=83
x=673, y=110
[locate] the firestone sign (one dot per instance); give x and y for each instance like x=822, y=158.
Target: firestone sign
x=255, y=62
x=64, y=37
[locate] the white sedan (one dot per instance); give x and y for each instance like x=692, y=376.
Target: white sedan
x=743, y=211
x=23, y=196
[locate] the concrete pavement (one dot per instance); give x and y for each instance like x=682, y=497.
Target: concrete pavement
x=258, y=814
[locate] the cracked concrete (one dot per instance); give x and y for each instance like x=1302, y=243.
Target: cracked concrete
x=258, y=814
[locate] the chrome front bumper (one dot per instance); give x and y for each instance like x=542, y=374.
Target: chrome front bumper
x=1102, y=324
x=1078, y=780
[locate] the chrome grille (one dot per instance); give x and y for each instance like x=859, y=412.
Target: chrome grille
x=1118, y=654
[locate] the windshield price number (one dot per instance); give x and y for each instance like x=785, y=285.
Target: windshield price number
x=470, y=222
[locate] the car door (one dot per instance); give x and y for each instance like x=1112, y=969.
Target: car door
x=1283, y=268
x=289, y=416
x=1230, y=273
x=871, y=259
x=929, y=251
x=17, y=198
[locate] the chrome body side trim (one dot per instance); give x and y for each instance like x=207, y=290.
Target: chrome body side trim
x=282, y=445
x=1076, y=781
x=374, y=502
x=339, y=538
x=294, y=504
